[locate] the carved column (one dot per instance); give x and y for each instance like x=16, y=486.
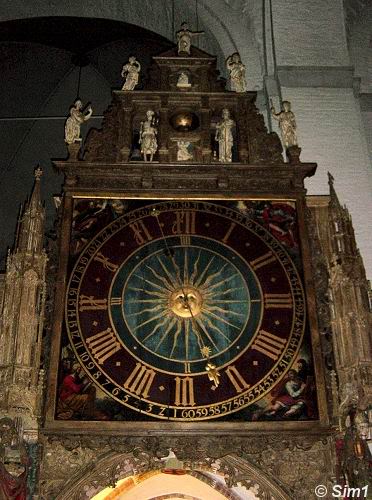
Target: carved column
x=22, y=318
x=206, y=128
x=163, y=127
x=125, y=132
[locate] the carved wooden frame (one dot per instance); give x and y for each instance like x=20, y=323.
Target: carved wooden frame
x=175, y=181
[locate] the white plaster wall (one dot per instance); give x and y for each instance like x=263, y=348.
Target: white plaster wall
x=330, y=132
x=310, y=33
x=367, y=122
x=361, y=48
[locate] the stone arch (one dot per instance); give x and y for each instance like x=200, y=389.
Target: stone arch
x=232, y=470
x=229, y=27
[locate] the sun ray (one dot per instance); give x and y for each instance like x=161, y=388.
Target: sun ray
x=159, y=325
x=149, y=292
x=227, y=301
x=187, y=334
x=159, y=307
x=134, y=301
x=196, y=332
x=212, y=287
x=159, y=287
x=220, y=319
x=185, y=268
x=164, y=280
x=201, y=277
x=222, y=292
x=200, y=323
x=222, y=311
x=158, y=316
x=172, y=322
x=214, y=327
x=211, y=277
x=167, y=272
x=175, y=338
x=195, y=270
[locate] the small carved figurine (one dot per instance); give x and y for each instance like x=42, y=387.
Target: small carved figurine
x=183, y=152
x=237, y=73
x=287, y=124
x=148, y=133
x=183, y=80
x=131, y=71
x=184, y=36
x=224, y=137
x=74, y=121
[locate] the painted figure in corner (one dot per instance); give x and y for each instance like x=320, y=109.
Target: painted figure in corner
x=148, y=133
x=287, y=124
x=131, y=72
x=78, y=115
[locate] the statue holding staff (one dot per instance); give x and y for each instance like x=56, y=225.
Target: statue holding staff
x=287, y=123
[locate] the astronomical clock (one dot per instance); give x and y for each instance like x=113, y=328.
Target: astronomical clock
x=185, y=290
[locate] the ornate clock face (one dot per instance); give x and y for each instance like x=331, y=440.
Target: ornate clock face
x=185, y=310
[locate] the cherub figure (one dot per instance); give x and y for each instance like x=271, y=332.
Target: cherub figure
x=74, y=121
x=287, y=124
x=184, y=36
x=131, y=71
x=237, y=73
x=148, y=133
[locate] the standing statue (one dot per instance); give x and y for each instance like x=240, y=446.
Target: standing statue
x=184, y=36
x=148, y=132
x=224, y=137
x=131, y=70
x=287, y=123
x=74, y=121
x=237, y=73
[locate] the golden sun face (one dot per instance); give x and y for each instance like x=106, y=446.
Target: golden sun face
x=178, y=306
x=186, y=302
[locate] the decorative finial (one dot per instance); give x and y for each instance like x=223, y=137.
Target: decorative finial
x=331, y=179
x=38, y=172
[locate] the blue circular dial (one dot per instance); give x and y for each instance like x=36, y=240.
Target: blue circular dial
x=181, y=303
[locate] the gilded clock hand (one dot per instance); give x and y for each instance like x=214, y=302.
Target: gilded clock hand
x=185, y=298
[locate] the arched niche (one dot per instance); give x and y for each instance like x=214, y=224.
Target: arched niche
x=230, y=26
x=232, y=477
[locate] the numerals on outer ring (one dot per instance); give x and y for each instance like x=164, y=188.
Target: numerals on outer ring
x=136, y=387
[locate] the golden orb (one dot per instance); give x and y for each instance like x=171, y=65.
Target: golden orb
x=184, y=121
x=186, y=302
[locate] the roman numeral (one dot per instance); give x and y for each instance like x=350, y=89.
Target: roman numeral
x=269, y=344
x=103, y=345
x=140, y=232
x=184, y=391
x=236, y=379
x=89, y=303
x=278, y=300
x=105, y=261
x=185, y=239
x=264, y=260
x=184, y=223
x=116, y=301
x=140, y=380
x=228, y=232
